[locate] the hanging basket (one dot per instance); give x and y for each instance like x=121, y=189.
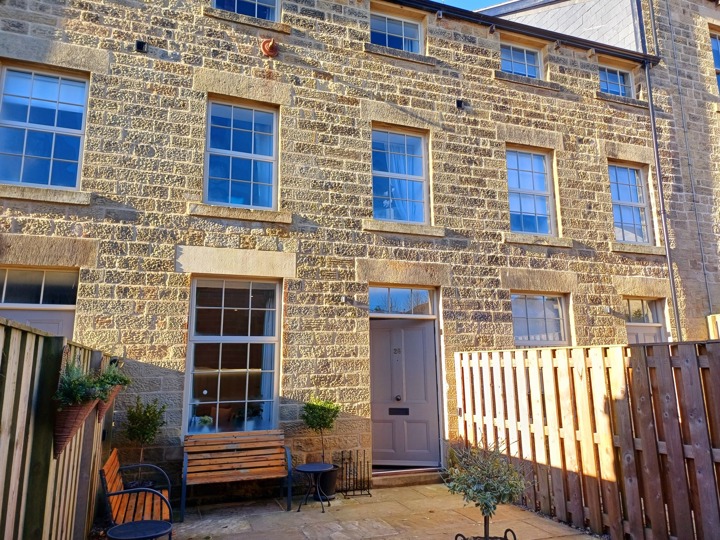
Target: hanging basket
x=67, y=422
x=103, y=406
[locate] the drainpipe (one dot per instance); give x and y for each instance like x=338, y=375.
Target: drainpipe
x=658, y=173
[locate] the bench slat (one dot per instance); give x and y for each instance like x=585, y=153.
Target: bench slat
x=224, y=476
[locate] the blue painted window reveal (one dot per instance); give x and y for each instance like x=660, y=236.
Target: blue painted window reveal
x=395, y=33
x=519, y=61
x=261, y=9
x=528, y=192
x=42, y=119
x=241, y=156
x=399, y=186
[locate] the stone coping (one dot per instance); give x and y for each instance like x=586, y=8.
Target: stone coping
x=612, y=98
x=243, y=214
x=43, y=194
x=375, y=225
x=638, y=249
x=527, y=81
x=536, y=240
x=402, y=55
x=244, y=19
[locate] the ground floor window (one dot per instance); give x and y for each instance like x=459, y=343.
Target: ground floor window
x=43, y=299
x=539, y=319
x=644, y=320
x=233, y=353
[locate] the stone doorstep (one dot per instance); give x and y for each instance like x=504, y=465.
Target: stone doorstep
x=414, y=477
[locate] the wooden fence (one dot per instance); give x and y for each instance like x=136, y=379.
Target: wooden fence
x=42, y=497
x=625, y=440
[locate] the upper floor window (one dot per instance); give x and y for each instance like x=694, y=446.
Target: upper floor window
x=529, y=192
x=395, y=33
x=519, y=61
x=615, y=82
x=241, y=161
x=42, y=121
x=233, y=346
x=715, y=40
x=399, y=182
x=538, y=319
x=262, y=9
x=630, y=208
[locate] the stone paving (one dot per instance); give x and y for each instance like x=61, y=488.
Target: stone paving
x=428, y=512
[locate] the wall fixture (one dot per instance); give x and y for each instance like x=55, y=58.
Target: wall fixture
x=269, y=47
x=439, y=15
x=141, y=46
x=460, y=104
x=492, y=29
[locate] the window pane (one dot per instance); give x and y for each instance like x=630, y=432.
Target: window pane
x=204, y=387
x=60, y=288
x=208, y=292
x=207, y=356
x=10, y=167
x=234, y=356
x=36, y=171
x=421, y=302
x=379, y=302
x=235, y=322
x=39, y=143
x=207, y=322
x=400, y=301
x=23, y=286
x=11, y=140
x=237, y=294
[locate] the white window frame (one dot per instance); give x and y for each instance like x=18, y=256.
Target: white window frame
x=562, y=300
x=525, y=50
x=233, y=154
x=656, y=305
x=643, y=206
x=403, y=21
x=406, y=177
x=391, y=315
x=39, y=306
x=628, y=86
x=50, y=129
x=193, y=339
x=549, y=192
x=276, y=9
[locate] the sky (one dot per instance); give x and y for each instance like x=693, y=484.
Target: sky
x=471, y=4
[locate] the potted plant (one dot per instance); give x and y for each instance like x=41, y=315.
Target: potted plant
x=111, y=381
x=205, y=422
x=143, y=422
x=76, y=396
x=320, y=415
x=485, y=477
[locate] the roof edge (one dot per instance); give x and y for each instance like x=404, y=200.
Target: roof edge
x=532, y=31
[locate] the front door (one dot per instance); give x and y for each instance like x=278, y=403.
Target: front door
x=404, y=393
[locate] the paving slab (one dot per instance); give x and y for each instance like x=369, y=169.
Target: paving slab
x=398, y=513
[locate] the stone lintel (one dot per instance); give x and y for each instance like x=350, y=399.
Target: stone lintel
x=241, y=86
x=389, y=113
x=403, y=273
x=641, y=286
x=534, y=280
x=234, y=262
x=528, y=136
x=627, y=152
x=48, y=251
x=54, y=53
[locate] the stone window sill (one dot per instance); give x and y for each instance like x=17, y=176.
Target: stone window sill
x=402, y=55
x=242, y=214
x=527, y=81
x=637, y=249
x=640, y=104
x=244, y=19
x=395, y=227
x=51, y=195
x=536, y=240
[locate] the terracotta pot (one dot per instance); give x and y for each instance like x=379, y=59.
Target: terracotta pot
x=67, y=422
x=103, y=406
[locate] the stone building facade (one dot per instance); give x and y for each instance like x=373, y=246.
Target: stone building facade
x=261, y=209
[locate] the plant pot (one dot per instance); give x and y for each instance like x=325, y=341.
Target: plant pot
x=103, y=406
x=67, y=422
x=328, y=481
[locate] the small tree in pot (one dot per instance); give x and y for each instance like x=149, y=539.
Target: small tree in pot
x=484, y=477
x=144, y=421
x=320, y=415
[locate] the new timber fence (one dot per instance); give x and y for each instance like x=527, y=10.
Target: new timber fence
x=42, y=497
x=623, y=439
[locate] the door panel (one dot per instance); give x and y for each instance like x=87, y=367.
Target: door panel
x=404, y=393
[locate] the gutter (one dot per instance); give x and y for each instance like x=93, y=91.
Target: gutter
x=526, y=30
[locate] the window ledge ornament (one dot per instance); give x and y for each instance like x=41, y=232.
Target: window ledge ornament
x=269, y=47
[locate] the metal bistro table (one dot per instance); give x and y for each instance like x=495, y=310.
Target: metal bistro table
x=313, y=472
x=140, y=530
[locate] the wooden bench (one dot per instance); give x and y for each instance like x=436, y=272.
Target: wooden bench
x=233, y=457
x=125, y=504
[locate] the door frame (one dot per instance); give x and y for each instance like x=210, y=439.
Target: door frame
x=440, y=388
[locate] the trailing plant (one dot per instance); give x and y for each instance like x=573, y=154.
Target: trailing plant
x=485, y=477
x=111, y=377
x=76, y=387
x=206, y=421
x=320, y=415
x=143, y=422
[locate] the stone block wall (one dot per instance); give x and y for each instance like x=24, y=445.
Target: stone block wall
x=140, y=203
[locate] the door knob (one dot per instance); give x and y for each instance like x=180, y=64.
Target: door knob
x=398, y=398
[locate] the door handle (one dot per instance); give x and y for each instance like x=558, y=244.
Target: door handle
x=398, y=397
